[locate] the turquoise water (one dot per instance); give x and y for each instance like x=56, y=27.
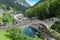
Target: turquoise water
x=29, y=31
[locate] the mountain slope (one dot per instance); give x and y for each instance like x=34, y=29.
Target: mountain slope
x=23, y=2
x=16, y=4
x=44, y=8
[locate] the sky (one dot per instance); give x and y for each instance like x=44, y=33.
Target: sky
x=32, y=2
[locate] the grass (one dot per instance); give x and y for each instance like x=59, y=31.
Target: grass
x=3, y=35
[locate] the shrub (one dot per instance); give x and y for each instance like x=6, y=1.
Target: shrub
x=6, y=17
x=56, y=27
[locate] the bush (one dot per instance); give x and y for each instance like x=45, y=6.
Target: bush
x=15, y=33
x=56, y=27
x=6, y=17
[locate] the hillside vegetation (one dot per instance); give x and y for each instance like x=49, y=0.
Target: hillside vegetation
x=14, y=4
x=44, y=9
